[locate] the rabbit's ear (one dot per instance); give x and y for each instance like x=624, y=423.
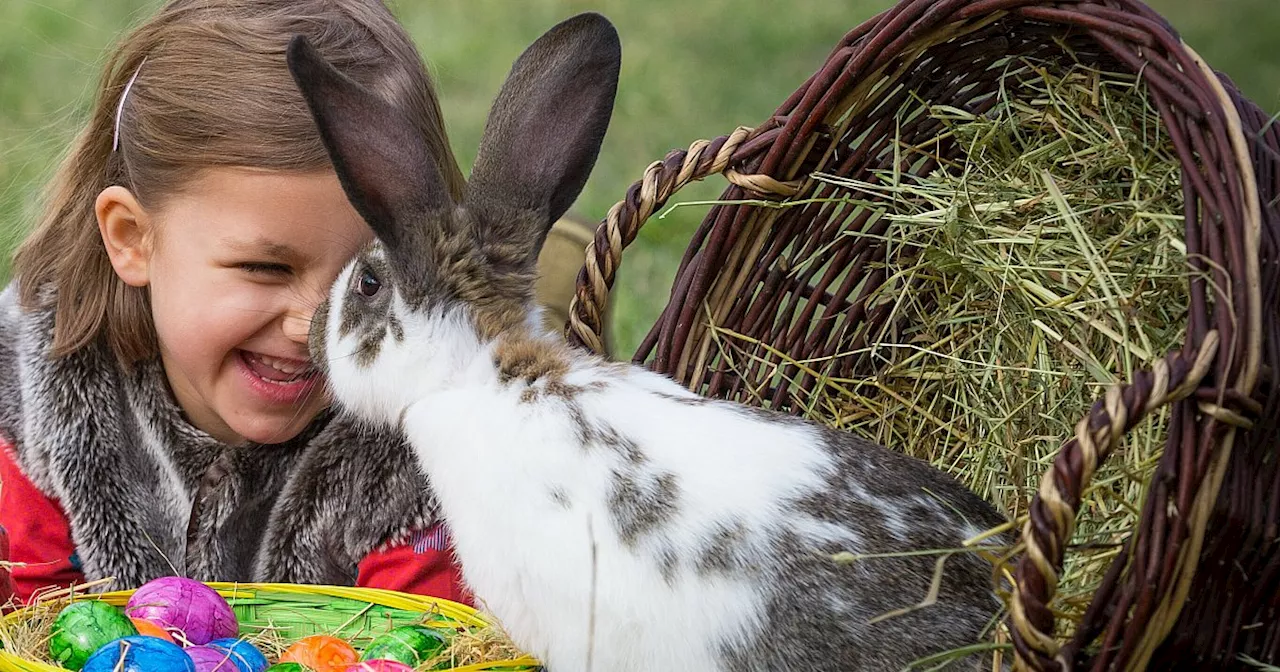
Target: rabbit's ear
x=382, y=161
x=544, y=132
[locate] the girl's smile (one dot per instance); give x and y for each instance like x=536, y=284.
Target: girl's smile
x=279, y=380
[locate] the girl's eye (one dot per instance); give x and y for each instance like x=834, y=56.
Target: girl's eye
x=368, y=285
x=265, y=268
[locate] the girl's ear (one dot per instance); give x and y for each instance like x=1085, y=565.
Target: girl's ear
x=126, y=232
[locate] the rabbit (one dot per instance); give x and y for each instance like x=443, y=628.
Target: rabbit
x=607, y=517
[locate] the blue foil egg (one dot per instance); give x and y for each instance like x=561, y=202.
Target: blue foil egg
x=139, y=653
x=246, y=656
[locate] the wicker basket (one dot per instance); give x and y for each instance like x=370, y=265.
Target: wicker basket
x=1198, y=584
x=295, y=611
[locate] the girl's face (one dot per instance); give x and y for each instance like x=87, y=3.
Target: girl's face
x=237, y=264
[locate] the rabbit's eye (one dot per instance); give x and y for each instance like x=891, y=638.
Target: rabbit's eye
x=368, y=285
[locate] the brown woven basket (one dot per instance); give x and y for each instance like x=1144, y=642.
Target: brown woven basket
x=1197, y=584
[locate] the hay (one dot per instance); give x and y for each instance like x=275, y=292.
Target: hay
x=1045, y=266
x=473, y=646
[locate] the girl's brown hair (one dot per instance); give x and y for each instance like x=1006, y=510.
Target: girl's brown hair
x=212, y=90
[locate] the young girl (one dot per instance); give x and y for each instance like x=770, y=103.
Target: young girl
x=158, y=412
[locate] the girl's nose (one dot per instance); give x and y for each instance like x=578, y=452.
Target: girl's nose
x=297, y=325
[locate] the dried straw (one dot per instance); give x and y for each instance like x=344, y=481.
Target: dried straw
x=1044, y=266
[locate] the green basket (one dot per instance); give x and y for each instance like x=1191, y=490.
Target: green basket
x=293, y=611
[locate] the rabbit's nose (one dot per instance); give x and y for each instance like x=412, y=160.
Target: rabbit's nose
x=297, y=327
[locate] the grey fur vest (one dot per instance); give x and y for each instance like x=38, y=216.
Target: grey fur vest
x=147, y=494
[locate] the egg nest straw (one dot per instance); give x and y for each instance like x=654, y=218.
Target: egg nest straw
x=273, y=616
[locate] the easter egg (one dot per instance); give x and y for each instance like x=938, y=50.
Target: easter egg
x=187, y=606
x=84, y=627
x=288, y=667
x=381, y=665
x=409, y=644
x=149, y=629
x=322, y=653
x=139, y=654
x=211, y=659
x=246, y=656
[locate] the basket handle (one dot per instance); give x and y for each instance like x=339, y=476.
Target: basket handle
x=1052, y=514
x=644, y=197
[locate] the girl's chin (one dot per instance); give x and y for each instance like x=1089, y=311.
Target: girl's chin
x=269, y=435
x=272, y=430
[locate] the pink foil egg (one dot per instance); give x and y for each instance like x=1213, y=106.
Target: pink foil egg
x=380, y=665
x=187, y=606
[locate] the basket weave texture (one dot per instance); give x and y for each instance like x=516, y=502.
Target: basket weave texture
x=1198, y=583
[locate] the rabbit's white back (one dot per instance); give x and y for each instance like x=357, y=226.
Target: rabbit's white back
x=606, y=511
x=603, y=513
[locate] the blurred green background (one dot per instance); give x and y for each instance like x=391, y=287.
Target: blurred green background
x=691, y=69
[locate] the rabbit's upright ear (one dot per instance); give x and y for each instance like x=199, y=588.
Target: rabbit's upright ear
x=382, y=161
x=544, y=132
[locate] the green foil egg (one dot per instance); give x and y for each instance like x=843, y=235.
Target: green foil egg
x=84, y=627
x=288, y=667
x=409, y=644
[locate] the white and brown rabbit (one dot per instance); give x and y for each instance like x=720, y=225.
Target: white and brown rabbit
x=608, y=517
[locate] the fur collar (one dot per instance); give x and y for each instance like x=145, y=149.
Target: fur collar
x=147, y=494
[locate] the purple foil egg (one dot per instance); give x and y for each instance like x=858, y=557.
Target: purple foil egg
x=195, y=610
x=209, y=659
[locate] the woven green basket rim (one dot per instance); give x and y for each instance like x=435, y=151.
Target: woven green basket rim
x=406, y=602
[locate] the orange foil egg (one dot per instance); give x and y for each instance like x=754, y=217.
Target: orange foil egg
x=322, y=653
x=150, y=629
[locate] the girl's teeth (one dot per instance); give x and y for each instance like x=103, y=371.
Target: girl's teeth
x=283, y=366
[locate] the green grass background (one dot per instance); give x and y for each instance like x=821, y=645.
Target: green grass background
x=691, y=69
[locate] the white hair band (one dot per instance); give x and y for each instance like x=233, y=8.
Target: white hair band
x=115, y=138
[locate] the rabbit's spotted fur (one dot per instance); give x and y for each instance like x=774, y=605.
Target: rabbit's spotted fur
x=609, y=518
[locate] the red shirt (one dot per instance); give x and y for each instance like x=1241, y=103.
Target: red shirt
x=43, y=555
x=40, y=546
x=6, y=581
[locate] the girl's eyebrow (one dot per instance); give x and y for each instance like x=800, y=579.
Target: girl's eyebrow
x=265, y=247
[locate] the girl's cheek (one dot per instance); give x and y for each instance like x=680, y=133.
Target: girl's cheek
x=237, y=304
